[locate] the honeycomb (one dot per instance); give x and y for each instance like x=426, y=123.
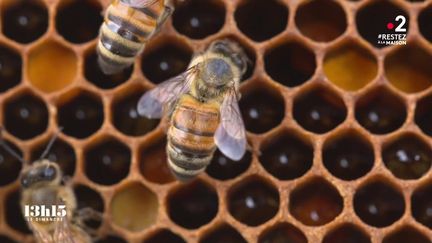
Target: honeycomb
x=340, y=127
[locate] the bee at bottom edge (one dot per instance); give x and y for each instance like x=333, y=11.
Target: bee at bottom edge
x=201, y=105
x=42, y=187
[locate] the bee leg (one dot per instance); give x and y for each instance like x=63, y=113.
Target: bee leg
x=89, y=213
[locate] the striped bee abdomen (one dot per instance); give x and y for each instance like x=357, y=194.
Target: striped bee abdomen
x=191, y=144
x=124, y=33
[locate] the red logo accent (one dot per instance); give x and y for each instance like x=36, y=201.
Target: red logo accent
x=390, y=26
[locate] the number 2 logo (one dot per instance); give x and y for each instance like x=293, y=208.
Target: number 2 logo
x=400, y=27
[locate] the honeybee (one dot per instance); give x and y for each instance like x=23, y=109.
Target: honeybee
x=202, y=108
x=128, y=25
x=41, y=184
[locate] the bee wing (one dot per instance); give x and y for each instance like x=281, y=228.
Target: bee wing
x=139, y=3
x=230, y=136
x=63, y=232
x=151, y=104
x=41, y=234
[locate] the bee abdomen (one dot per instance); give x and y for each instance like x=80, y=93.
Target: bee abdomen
x=190, y=138
x=186, y=166
x=123, y=36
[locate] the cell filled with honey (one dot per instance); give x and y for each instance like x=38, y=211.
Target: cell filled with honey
x=193, y=205
x=108, y=162
x=286, y=157
x=198, y=19
x=378, y=204
x=81, y=115
x=262, y=110
x=222, y=234
x=26, y=116
x=10, y=68
x=315, y=203
x=253, y=202
x=24, y=21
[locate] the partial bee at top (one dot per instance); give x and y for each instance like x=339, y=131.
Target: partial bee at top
x=128, y=25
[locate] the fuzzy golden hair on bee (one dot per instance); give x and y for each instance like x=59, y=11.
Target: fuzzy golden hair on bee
x=205, y=113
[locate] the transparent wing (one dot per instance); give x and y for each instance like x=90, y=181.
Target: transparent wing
x=230, y=136
x=41, y=234
x=139, y=3
x=63, y=232
x=151, y=104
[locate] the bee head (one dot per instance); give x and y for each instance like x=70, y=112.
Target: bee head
x=216, y=72
x=40, y=173
x=233, y=51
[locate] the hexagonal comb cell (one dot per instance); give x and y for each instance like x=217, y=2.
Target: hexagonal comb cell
x=6, y=239
x=262, y=109
x=316, y=202
x=261, y=20
x=81, y=114
x=166, y=60
x=164, y=235
x=421, y=202
x=10, y=68
x=79, y=21
x=126, y=118
x=154, y=163
x=372, y=20
x=13, y=214
x=223, y=168
x=198, y=19
x=88, y=198
x=408, y=68
x=94, y=74
x=290, y=64
x=286, y=156
x=407, y=157
x=27, y=115
x=423, y=116
x=24, y=21
x=223, y=234
x=193, y=205
x=347, y=233
x=380, y=111
x=321, y=20
x=61, y=152
x=319, y=110
x=51, y=66
x=350, y=66
x=107, y=162
x=378, y=204
x=111, y=239
x=134, y=207
x=348, y=156
x=406, y=234
x=425, y=22
x=283, y=232
x=10, y=167
x=253, y=201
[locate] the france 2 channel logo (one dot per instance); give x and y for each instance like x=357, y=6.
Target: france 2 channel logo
x=396, y=32
x=46, y=213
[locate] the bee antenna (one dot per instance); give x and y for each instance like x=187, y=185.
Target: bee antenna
x=50, y=143
x=8, y=149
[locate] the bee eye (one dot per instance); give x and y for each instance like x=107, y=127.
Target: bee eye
x=49, y=173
